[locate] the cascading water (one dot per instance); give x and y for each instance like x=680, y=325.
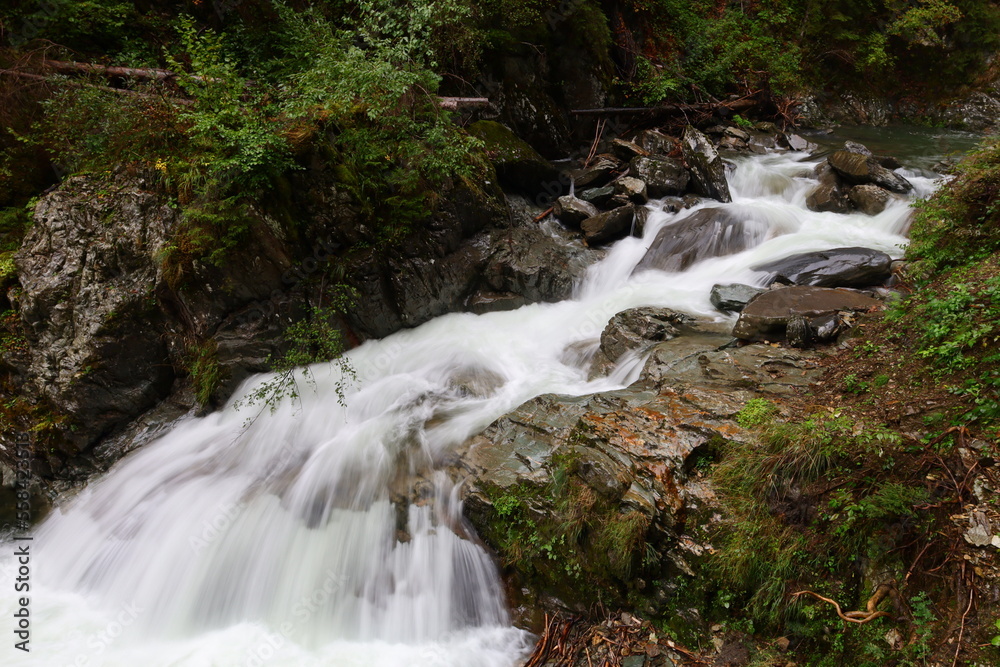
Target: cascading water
x=326, y=534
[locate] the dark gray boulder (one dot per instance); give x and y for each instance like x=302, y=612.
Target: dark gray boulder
x=637, y=329
x=530, y=263
x=598, y=196
x=767, y=317
x=708, y=172
x=708, y=232
x=596, y=174
x=663, y=176
x=839, y=267
x=733, y=297
x=609, y=226
x=655, y=142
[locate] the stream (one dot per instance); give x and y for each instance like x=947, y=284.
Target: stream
x=281, y=539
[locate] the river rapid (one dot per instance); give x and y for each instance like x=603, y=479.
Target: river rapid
x=285, y=542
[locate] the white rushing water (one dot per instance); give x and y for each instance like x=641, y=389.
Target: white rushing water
x=281, y=543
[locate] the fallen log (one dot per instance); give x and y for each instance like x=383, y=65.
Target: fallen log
x=734, y=105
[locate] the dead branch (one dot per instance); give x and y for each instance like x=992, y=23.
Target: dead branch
x=107, y=89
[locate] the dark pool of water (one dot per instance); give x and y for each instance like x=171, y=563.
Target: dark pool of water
x=916, y=147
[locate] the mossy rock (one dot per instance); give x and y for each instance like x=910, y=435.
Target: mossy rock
x=518, y=165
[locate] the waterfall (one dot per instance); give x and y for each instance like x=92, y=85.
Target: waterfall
x=327, y=534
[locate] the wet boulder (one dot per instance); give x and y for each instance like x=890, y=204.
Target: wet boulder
x=797, y=143
x=733, y=297
x=598, y=196
x=572, y=211
x=768, y=316
x=637, y=329
x=632, y=189
x=830, y=196
x=529, y=263
x=869, y=199
x=655, y=142
x=708, y=172
x=860, y=169
x=596, y=174
x=839, y=267
x=663, y=176
x=609, y=226
x=706, y=233
x=626, y=150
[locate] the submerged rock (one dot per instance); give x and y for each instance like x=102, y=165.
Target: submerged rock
x=708, y=172
x=839, y=267
x=708, y=232
x=767, y=317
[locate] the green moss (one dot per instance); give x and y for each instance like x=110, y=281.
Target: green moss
x=501, y=145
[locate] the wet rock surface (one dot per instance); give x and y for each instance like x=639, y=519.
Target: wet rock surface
x=663, y=177
x=733, y=297
x=839, y=267
x=830, y=195
x=861, y=169
x=626, y=453
x=708, y=232
x=708, y=172
x=608, y=226
x=869, y=199
x=114, y=312
x=534, y=265
x=572, y=211
x=518, y=165
x=767, y=317
x=638, y=328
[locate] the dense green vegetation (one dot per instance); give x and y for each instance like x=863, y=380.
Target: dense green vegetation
x=262, y=81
